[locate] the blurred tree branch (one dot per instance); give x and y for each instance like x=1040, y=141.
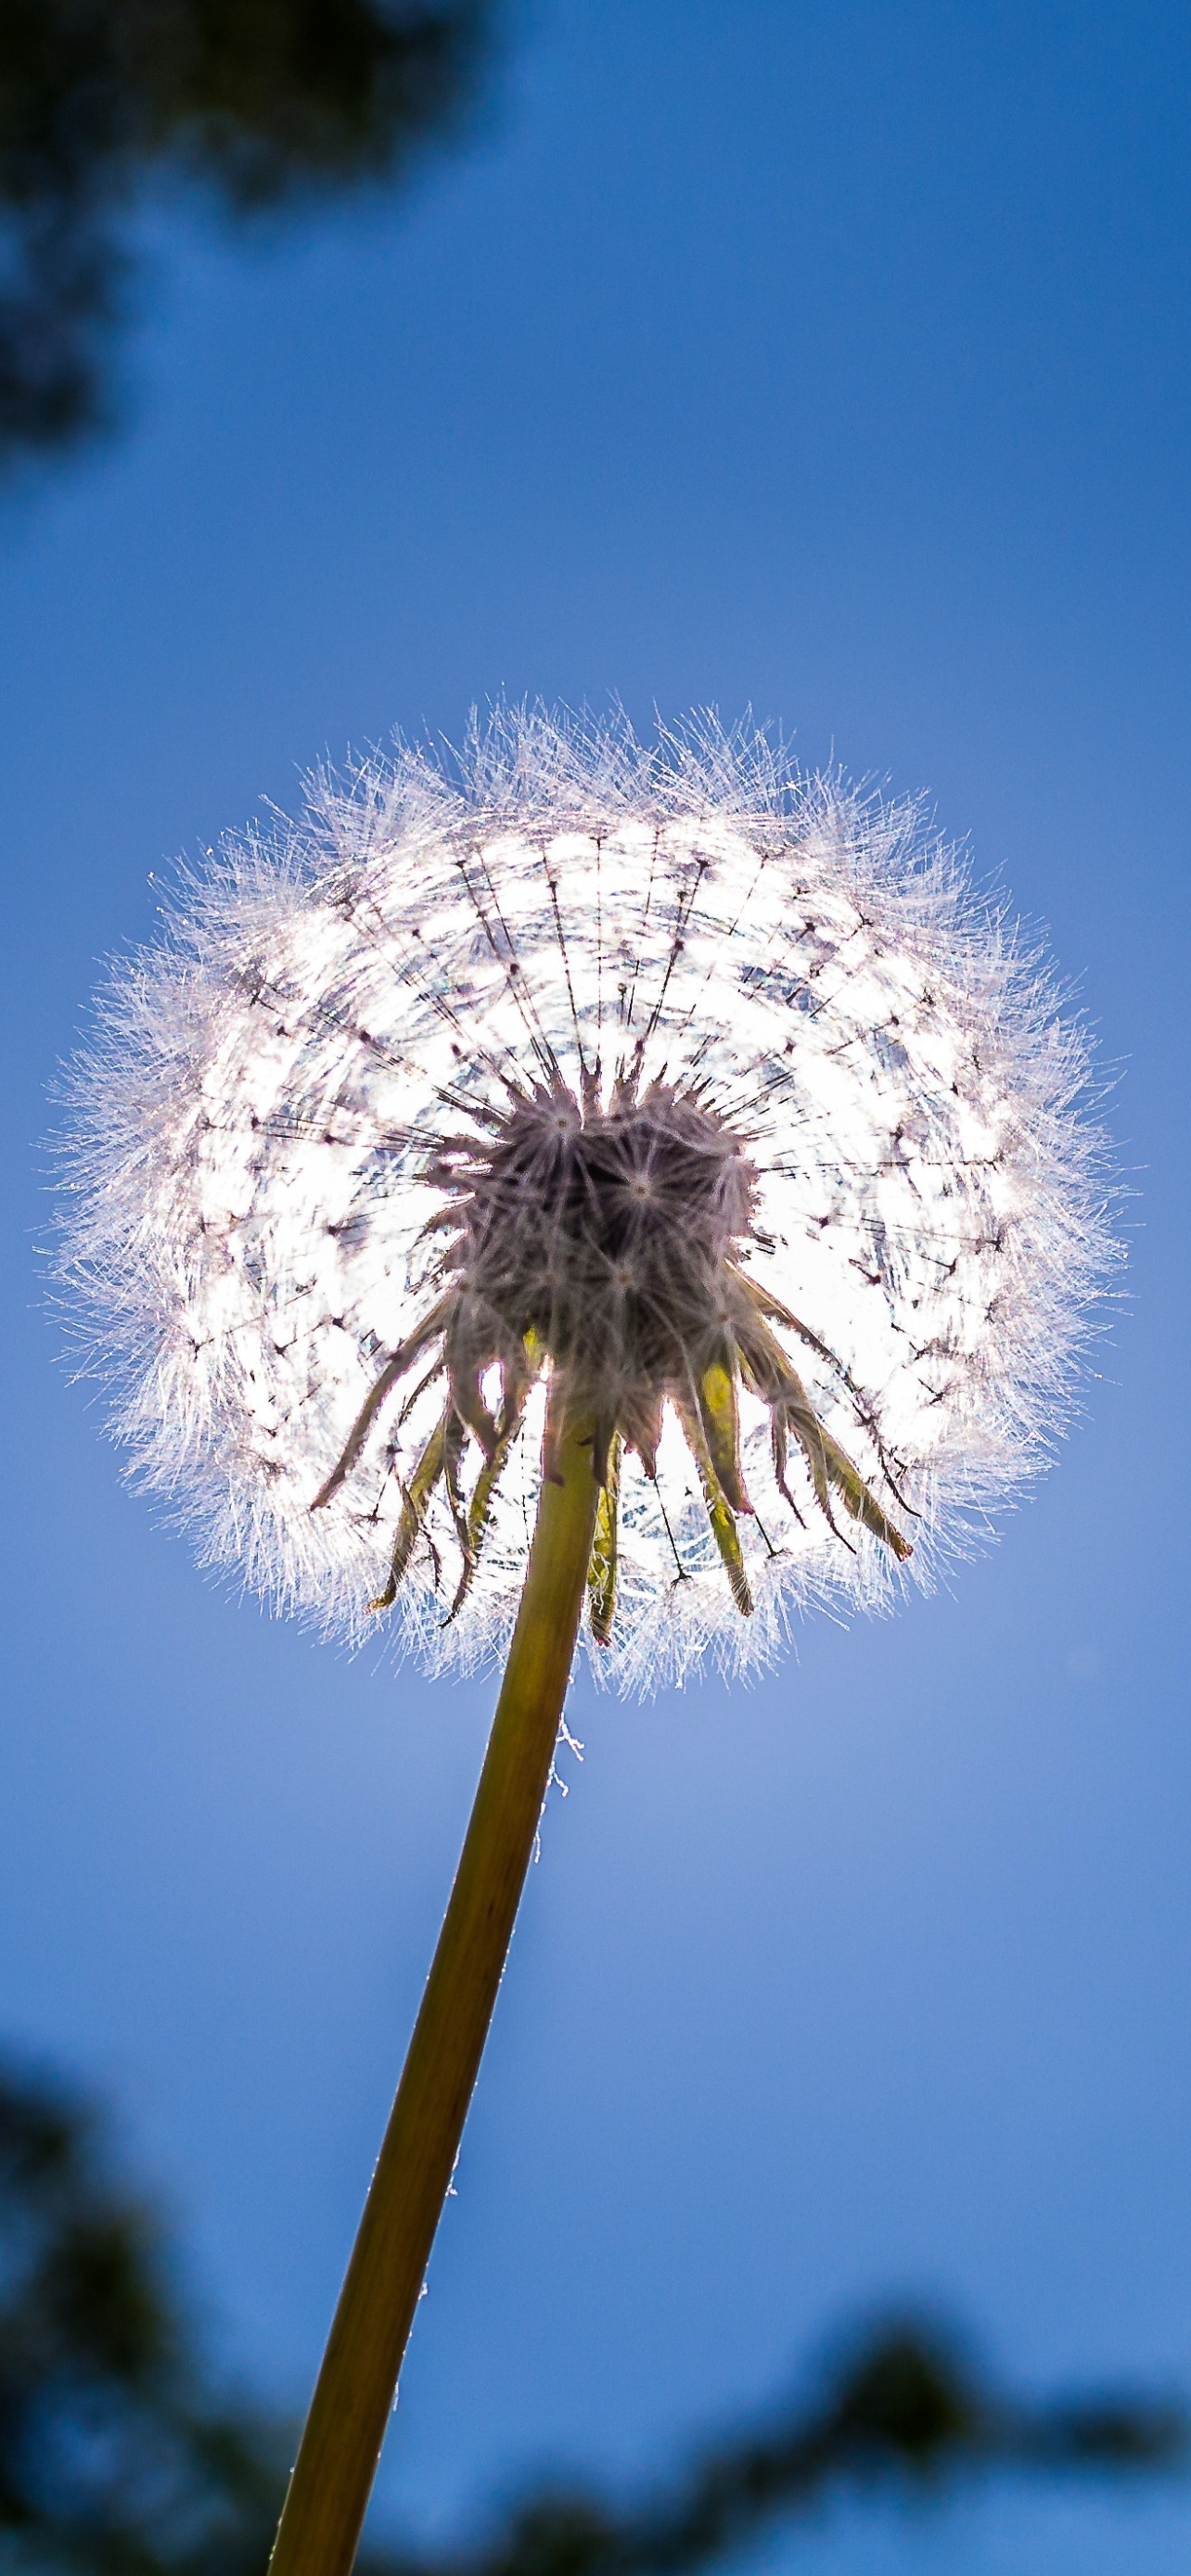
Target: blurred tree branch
x=263, y=103
x=116, y=2458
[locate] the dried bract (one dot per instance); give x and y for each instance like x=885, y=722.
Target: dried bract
x=703, y=1086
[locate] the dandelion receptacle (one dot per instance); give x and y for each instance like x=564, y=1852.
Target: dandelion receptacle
x=581, y=1191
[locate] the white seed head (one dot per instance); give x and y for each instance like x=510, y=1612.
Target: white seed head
x=705, y=1084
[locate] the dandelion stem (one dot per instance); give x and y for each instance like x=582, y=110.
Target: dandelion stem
x=337, y=2458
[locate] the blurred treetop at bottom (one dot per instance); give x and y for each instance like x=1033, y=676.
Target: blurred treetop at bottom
x=118, y=2456
x=263, y=103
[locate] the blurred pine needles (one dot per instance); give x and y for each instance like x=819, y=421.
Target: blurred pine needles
x=262, y=104
x=119, y=2456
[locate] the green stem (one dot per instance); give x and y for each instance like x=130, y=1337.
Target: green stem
x=336, y=2463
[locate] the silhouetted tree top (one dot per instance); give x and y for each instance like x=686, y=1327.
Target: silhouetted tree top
x=119, y=2458
x=265, y=103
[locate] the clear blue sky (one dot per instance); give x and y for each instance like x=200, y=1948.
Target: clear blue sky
x=831, y=360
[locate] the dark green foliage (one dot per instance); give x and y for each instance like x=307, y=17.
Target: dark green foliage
x=266, y=103
x=116, y=2459
x=112, y=2458
x=901, y=2412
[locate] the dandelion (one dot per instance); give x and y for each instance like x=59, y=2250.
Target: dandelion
x=584, y=1186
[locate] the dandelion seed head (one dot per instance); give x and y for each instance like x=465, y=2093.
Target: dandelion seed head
x=707, y=1084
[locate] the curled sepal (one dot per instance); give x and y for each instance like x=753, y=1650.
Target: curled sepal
x=798, y=1415
x=715, y=1390
x=433, y=1323
x=518, y=1379
x=641, y=1423
x=830, y=1466
x=604, y=1433
x=421, y=1485
x=454, y=1444
x=779, y=1445
x=857, y=1497
x=469, y=1356
x=763, y=1302
x=602, y=1569
x=719, y=1510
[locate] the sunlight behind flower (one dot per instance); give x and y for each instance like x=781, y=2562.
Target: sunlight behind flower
x=283, y=1087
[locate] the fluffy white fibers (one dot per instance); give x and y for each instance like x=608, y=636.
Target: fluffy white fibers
x=257, y=1166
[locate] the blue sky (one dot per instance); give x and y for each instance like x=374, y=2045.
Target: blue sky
x=832, y=362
